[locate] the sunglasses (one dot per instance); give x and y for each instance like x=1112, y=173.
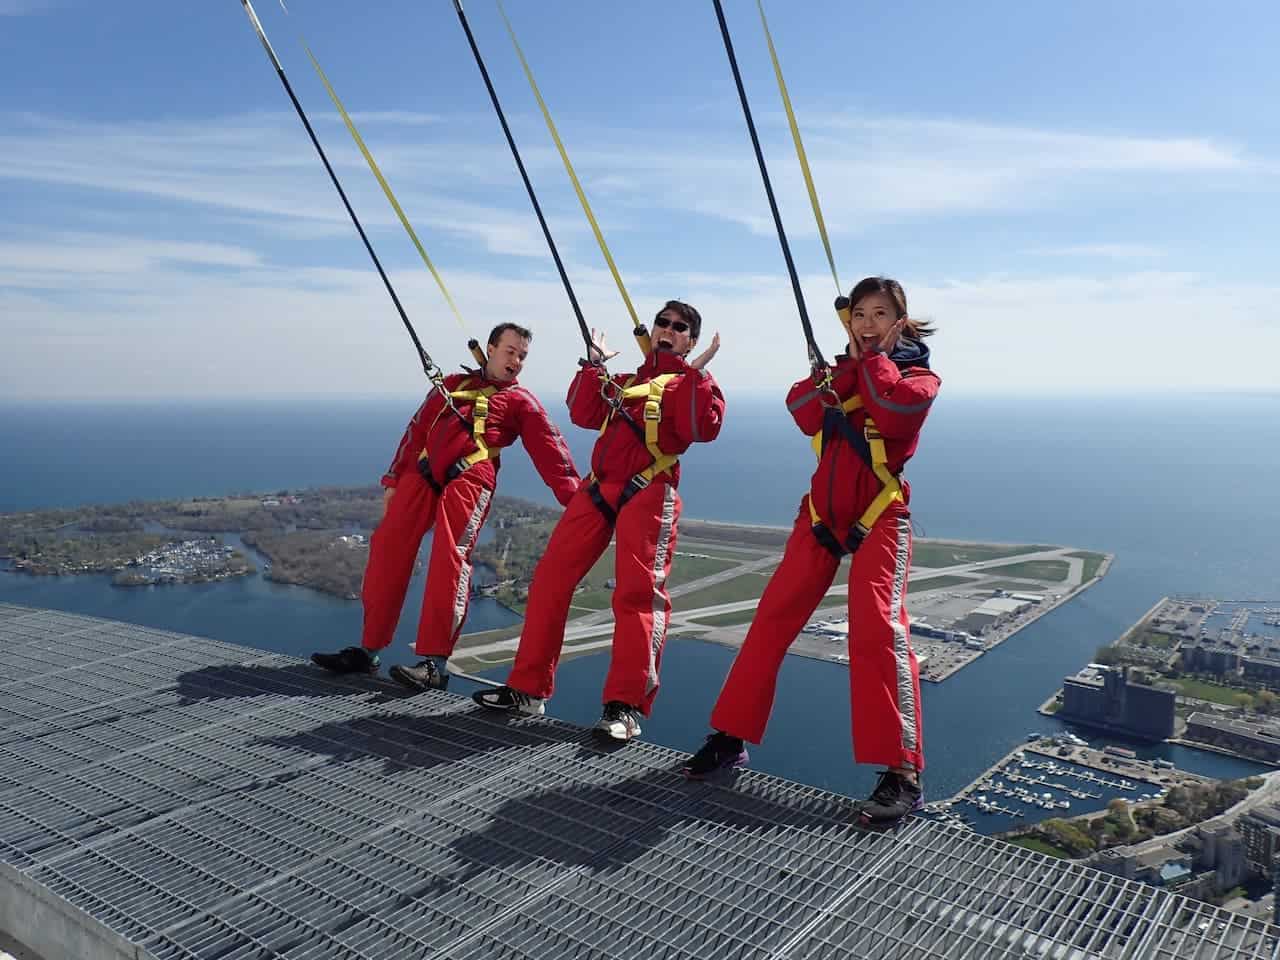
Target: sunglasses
x=679, y=326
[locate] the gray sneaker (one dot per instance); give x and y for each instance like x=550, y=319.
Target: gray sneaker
x=509, y=700
x=619, y=721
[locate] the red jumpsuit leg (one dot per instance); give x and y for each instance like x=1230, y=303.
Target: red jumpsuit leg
x=641, y=607
x=461, y=513
x=576, y=544
x=884, y=678
x=790, y=597
x=393, y=548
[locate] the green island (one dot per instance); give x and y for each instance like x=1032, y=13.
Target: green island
x=312, y=538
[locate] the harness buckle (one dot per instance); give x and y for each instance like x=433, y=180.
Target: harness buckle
x=612, y=392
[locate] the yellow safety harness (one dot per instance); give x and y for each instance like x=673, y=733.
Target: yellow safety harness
x=869, y=446
x=652, y=392
x=479, y=398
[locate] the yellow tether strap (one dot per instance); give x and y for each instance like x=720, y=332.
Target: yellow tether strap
x=803, y=157
x=582, y=197
x=386, y=187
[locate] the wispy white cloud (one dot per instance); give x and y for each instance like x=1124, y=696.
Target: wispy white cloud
x=259, y=167
x=869, y=171
x=264, y=329
x=1105, y=251
x=71, y=257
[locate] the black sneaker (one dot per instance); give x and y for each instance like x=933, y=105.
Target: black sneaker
x=894, y=798
x=347, y=660
x=720, y=752
x=425, y=676
x=510, y=701
x=619, y=721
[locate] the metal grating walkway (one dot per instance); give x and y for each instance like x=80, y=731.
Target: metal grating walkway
x=203, y=800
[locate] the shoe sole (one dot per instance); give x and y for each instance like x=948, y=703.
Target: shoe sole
x=610, y=735
x=537, y=711
x=398, y=674
x=867, y=823
x=339, y=672
x=723, y=768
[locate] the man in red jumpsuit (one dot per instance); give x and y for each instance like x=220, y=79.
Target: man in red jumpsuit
x=667, y=405
x=869, y=421
x=443, y=477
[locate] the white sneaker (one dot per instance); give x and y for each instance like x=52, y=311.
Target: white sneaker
x=619, y=721
x=510, y=701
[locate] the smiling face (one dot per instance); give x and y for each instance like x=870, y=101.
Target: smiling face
x=671, y=332
x=506, y=357
x=873, y=316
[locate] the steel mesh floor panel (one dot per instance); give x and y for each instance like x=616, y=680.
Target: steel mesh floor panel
x=210, y=801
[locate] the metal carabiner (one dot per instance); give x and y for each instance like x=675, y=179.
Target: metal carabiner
x=611, y=391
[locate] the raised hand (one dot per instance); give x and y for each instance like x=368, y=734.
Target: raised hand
x=885, y=344
x=599, y=352
x=702, y=359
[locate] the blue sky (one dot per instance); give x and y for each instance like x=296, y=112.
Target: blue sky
x=1082, y=196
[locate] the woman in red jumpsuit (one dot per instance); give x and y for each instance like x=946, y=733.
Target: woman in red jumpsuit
x=884, y=389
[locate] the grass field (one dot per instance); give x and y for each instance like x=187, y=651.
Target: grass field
x=1056, y=570
x=1092, y=561
x=1207, y=691
x=687, y=569
x=746, y=586
x=727, y=619
x=926, y=553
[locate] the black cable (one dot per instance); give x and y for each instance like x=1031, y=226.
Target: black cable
x=815, y=354
x=528, y=185
x=429, y=367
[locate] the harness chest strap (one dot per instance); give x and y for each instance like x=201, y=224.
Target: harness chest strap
x=652, y=392
x=890, y=487
x=479, y=398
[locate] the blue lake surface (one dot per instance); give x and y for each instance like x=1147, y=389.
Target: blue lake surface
x=1182, y=489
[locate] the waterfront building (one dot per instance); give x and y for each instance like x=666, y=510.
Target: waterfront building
x=1210, y=657
x=1105, y=697
x=1264, y=670
x=1253, y=738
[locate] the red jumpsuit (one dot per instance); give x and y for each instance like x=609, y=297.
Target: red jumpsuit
x=884, y=678
x=456, y=508
x=692, y=411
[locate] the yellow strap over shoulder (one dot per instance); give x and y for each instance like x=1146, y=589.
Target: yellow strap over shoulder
x=652, y=392
x=890, y=487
